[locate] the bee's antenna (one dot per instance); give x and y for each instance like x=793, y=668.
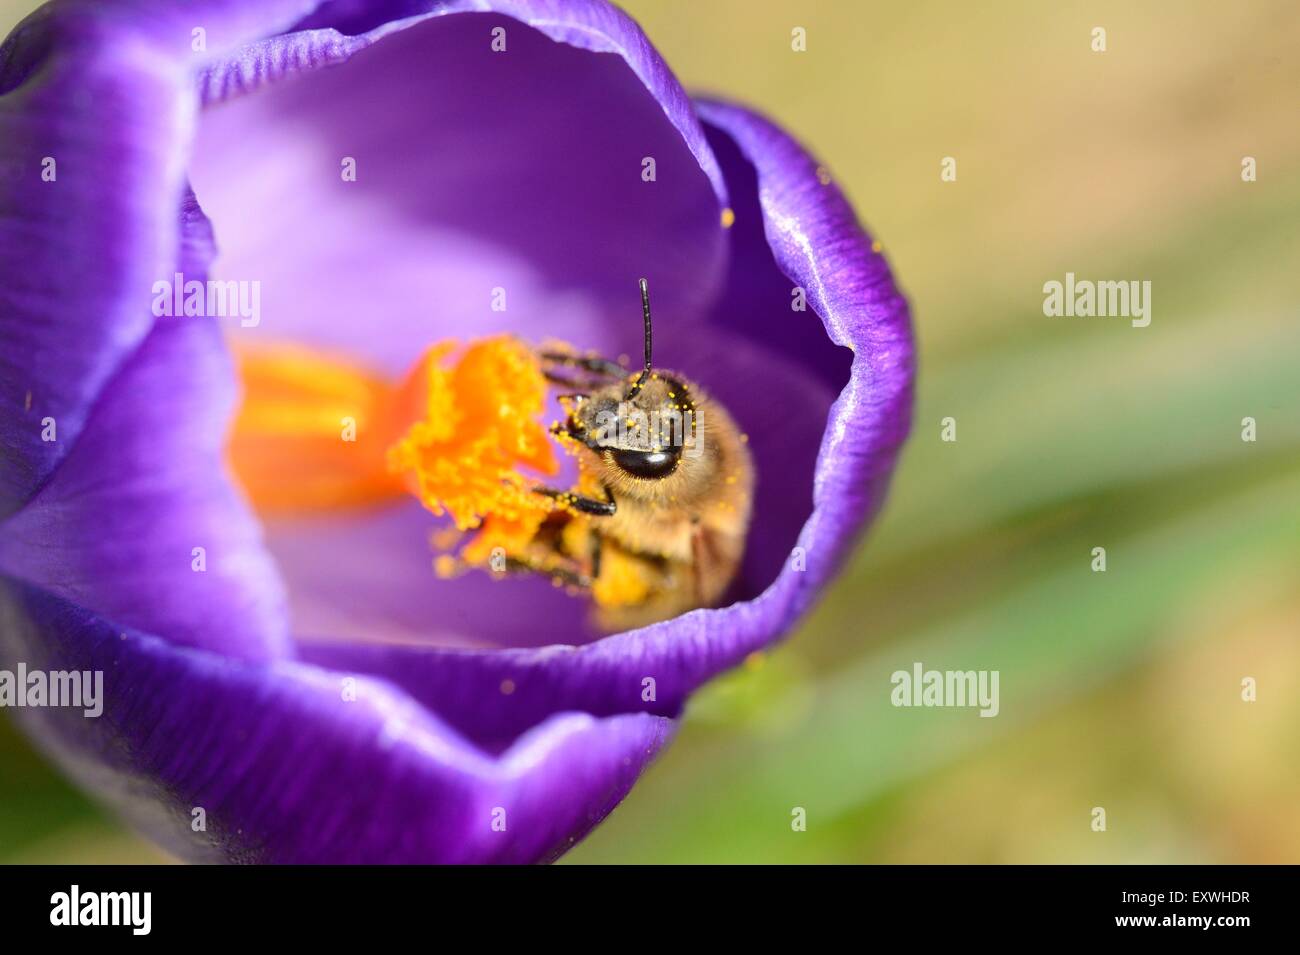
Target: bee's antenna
x=645, y=311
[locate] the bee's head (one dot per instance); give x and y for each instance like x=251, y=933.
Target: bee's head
x=640, y=427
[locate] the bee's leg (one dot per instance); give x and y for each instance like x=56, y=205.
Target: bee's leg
x=561, y=576
x=595, y=556
x=562, y=381
x=598, y=371
x=600, y=367
x=579, y=503
x=568, y=430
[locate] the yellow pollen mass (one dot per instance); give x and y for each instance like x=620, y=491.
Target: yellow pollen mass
x=480, y=425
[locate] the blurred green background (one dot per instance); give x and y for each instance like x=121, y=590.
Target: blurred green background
x=1122, y=689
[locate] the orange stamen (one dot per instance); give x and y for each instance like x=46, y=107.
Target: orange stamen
x=312, y=432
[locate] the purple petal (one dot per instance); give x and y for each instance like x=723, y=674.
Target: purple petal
x=287, y=770
x=104, y=96
x=116, y=527
x=816, y=241
x=335, y=31
x=369, y=577
x=79, y=258
x=449, y=204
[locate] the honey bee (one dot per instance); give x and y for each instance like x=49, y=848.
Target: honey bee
x=657, y=523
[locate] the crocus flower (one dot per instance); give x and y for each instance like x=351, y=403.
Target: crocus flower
x=307, y=690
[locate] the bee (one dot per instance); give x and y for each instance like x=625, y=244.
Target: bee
x=657, y=522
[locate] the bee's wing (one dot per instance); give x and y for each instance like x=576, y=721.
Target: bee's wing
x=716, y=554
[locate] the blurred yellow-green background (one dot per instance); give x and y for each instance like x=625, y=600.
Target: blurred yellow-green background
x=1120, y=690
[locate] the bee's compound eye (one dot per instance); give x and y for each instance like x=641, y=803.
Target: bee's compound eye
x=647, y=464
